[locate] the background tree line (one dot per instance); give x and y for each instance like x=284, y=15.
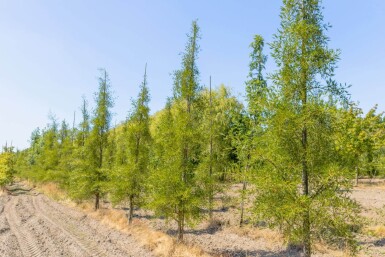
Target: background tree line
x=297, y=144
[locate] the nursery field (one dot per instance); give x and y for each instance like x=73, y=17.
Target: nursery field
x=33, y=224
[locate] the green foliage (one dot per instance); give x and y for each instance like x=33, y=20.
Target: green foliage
x=132, y=162
x=96, y=146
x=218, y=107
x=178, y=137
x=256, y=86
x=7, y=166
x=361, y=140
x=302, y=183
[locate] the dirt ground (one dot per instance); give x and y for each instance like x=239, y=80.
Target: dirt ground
x=31, y=224
x=371, y=196
x=224, y=238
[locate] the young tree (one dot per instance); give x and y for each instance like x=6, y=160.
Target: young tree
x=98, y=140
x=7, y=165
x=132, y=164
x=65, y=150
x=241, y=139
x=182, y=156
x=301, y=192
x=256, y=86
x=247, y=126
x=35, y=146
x=79, y=183
x=218, y=109
x=85, y=127
x=48, y=159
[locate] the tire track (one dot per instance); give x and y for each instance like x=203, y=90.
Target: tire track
x=58, y=242
x=27, y=243
x=70, y=229
x=35, y=226
x=113, y=242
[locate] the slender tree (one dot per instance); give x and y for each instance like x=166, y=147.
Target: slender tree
x=256, y=86
x=99, y=140
x=133, y=163
x=301, y=187
x=183, y=203
x=218, y=108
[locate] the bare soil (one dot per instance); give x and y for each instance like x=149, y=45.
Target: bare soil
x=223, y=237
x=31, y=224
x=370, y=194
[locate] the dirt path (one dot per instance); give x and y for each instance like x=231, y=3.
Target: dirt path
x=33, y=225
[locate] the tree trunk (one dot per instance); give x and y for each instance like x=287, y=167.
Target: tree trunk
x=242, y=203
x=305, y=171
x=97, y=198
x=305, y=192
x=131, y=212
x=356, y=176
x=180, y=225
x=211, y=193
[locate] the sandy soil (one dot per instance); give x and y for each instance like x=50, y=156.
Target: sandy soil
x=226, y=239
x=33, y=225
x=371, y=196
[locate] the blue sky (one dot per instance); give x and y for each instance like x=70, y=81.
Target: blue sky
x=50, y=51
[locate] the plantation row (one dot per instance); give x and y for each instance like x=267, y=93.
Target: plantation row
x=300, y=143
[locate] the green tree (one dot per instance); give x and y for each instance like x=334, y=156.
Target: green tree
x=301, y=190
x=7, y=165
x=218, y=108
x=177, y=194
x=48, y=159
x=256, y=86
x=84, y=127
x=79, y=182
x=99, y=140
x=65, y=152
x=133, y=162
x=247, y=126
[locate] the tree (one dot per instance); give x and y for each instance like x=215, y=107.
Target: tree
x=79, y=182
x=65, y=150
x=247, y=126
x=133, y=162
x=7, y=165
x=256, y=86
x=177, y=194
x=98, y=141
x=218, y=109
x=301, y=190
x=85, y=128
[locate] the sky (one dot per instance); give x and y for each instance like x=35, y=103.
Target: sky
x=50, y=52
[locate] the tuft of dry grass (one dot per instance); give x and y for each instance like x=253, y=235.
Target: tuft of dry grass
x=272, y=238
x=371, y=183
x=323, y=248
x=377, y=231
x=53, y=191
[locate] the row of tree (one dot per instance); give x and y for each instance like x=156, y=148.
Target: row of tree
x=299, y=142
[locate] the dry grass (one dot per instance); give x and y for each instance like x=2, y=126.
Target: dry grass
x=323, y=248
x=377, y=231
x=371, y=183
x=53, y=191
x=159, y=243
x=272, y=238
